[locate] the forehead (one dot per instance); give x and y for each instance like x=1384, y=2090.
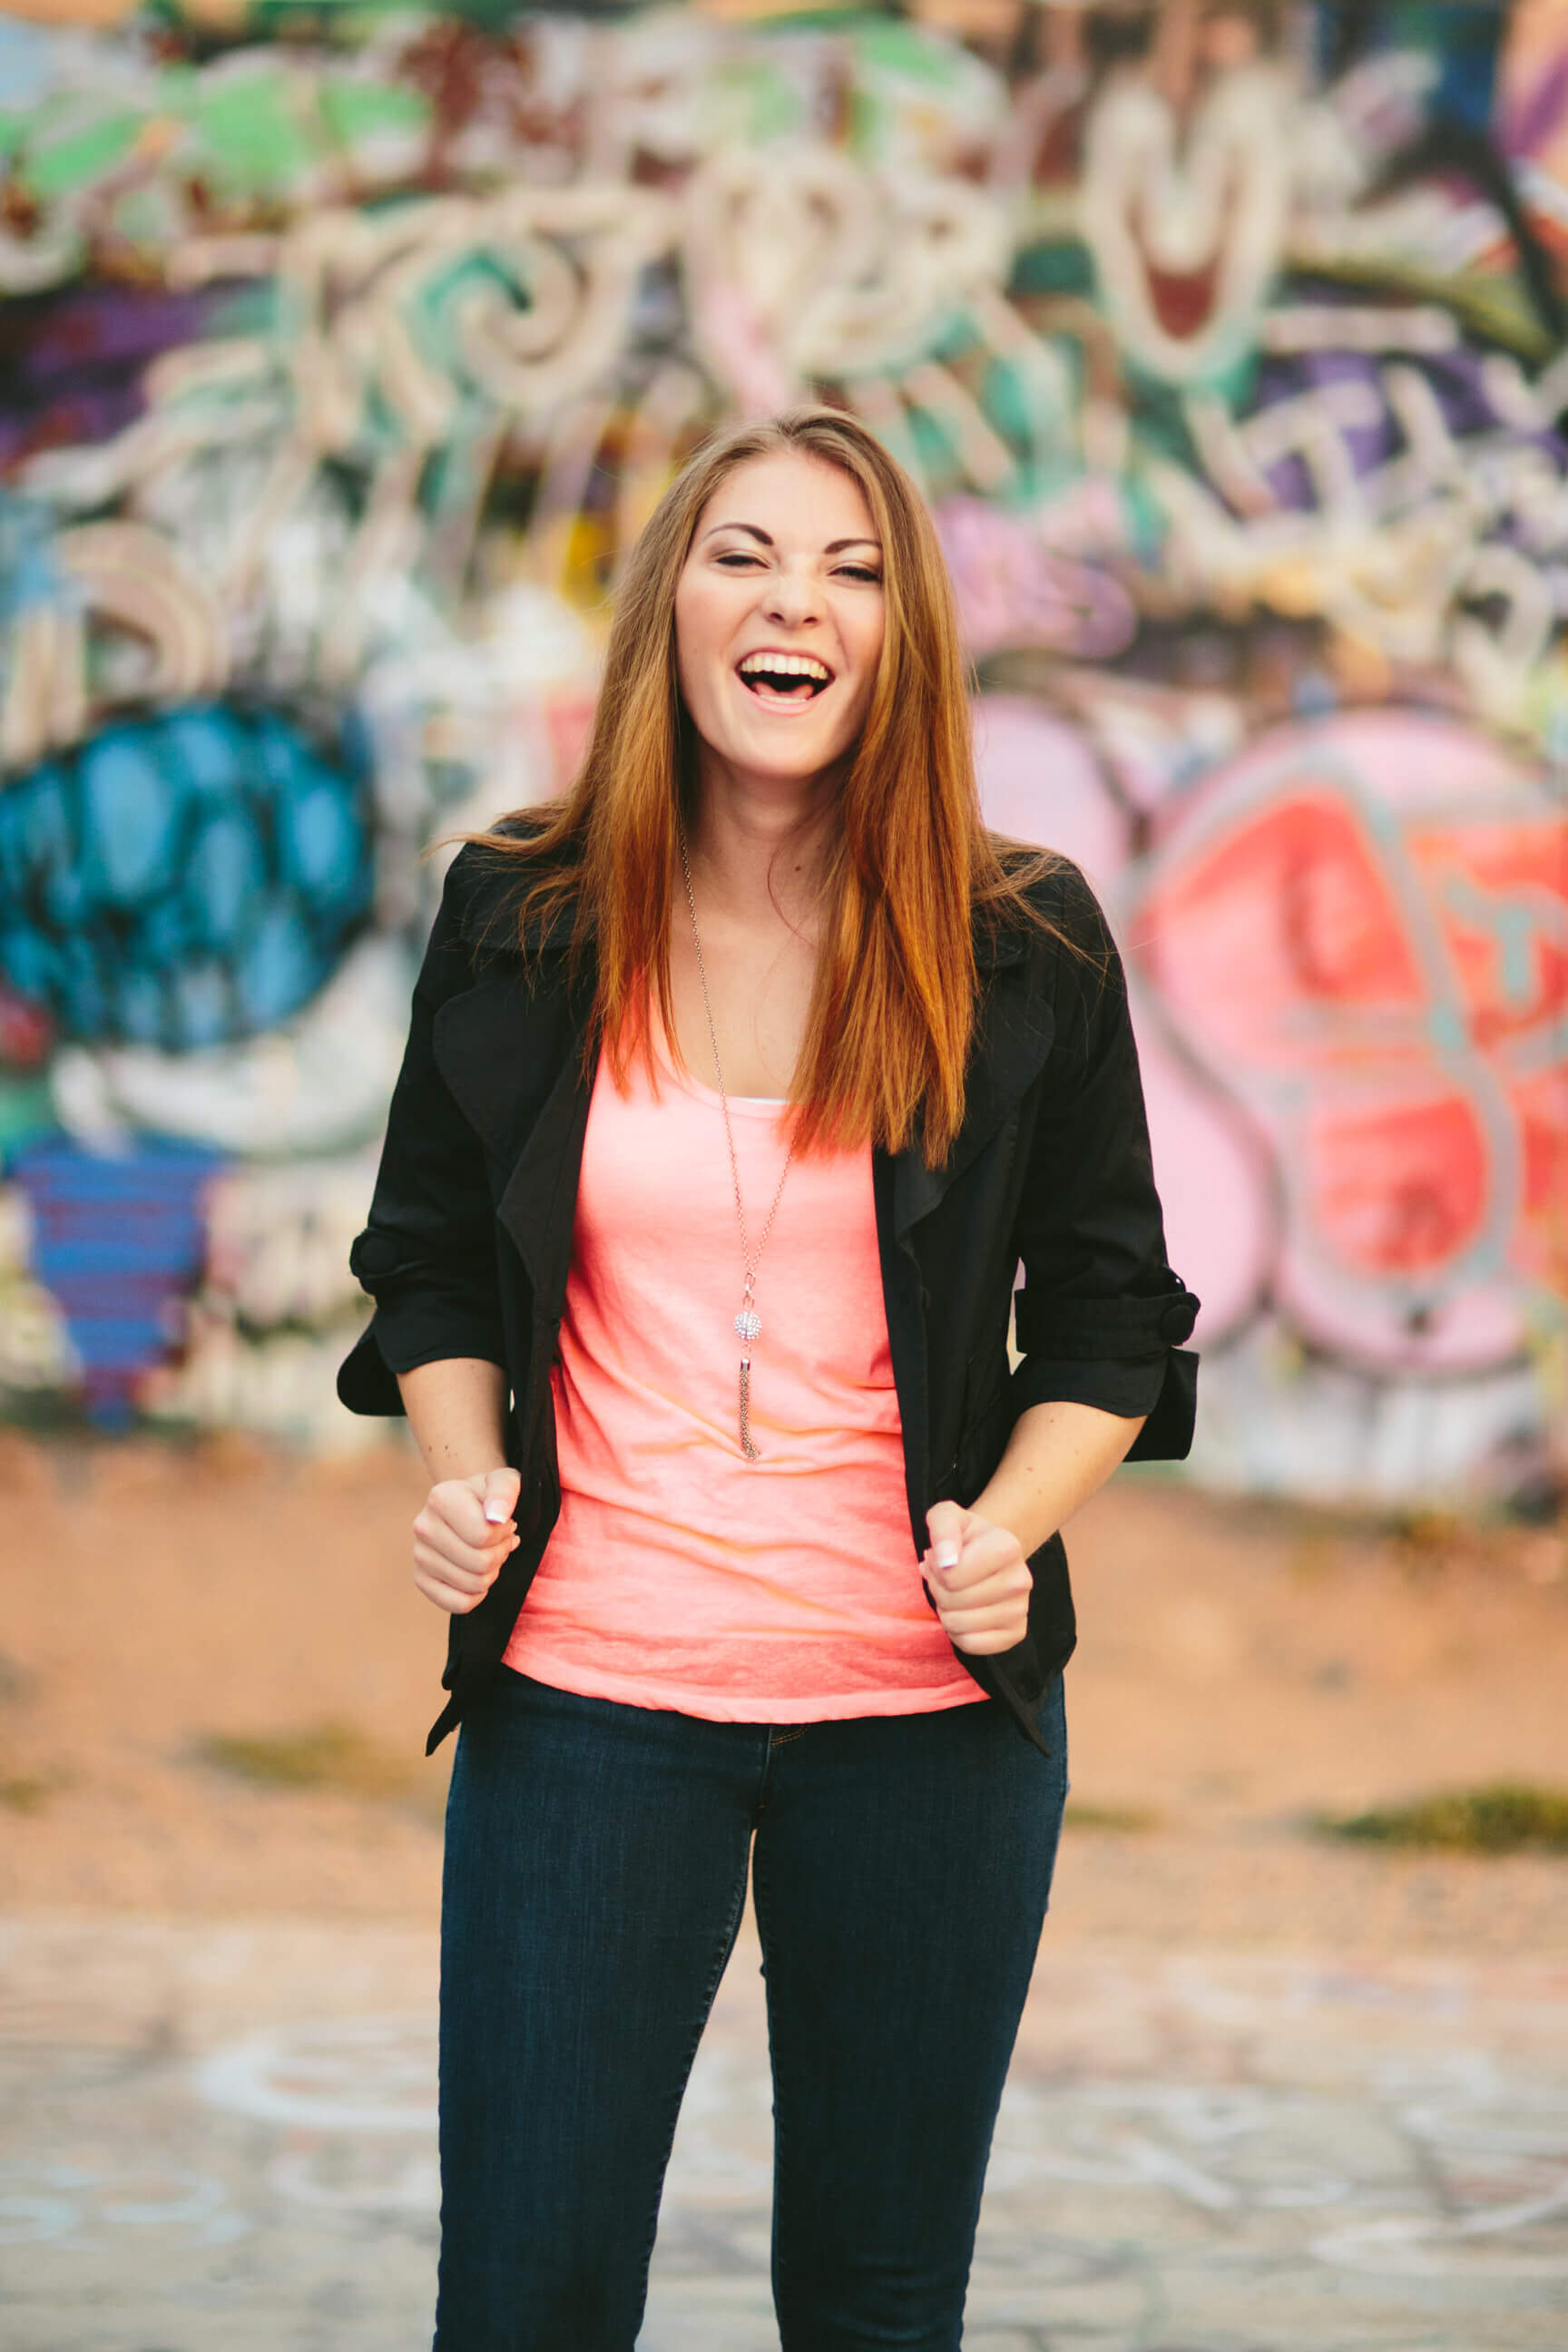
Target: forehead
x=799, y=500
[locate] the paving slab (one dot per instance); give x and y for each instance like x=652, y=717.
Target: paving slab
x=221, y=2136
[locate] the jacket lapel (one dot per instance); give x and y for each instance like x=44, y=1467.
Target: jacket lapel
x=1013, y=1034
x=538, y=1208
x=499, y=1045
x=510, y=1049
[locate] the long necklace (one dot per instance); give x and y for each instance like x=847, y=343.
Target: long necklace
x=748, y=1323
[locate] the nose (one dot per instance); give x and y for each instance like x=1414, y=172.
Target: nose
x=791, y=600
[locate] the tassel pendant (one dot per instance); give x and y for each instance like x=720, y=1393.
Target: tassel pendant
x=748, y=1325
x=747, y=1448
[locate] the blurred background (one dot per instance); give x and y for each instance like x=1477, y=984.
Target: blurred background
x=346, y=349
x=343, y=349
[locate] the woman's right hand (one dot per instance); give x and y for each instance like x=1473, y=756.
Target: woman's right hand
x=461, y=1536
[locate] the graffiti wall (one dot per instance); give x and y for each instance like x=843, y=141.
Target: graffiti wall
x=345, y=350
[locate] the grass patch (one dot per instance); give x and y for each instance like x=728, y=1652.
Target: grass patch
x=1508, y=1817
x=333, y=1756
x=1118, y=1820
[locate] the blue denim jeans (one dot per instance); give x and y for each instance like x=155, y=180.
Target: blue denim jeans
x=595, y=1875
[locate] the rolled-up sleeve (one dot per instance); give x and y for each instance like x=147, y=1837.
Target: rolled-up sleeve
x=1101, y=1317
x=427, y=1254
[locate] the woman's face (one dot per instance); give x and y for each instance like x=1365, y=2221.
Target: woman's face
x=779, y=619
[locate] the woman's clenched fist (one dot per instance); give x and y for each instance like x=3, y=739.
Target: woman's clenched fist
x=461, y=1536
x=979, y=1579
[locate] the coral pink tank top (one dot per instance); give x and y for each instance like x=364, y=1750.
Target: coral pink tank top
x=678, y=1574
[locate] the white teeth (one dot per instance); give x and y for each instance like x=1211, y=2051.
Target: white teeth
x=785, y=666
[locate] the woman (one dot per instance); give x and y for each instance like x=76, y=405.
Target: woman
x=737, y=1087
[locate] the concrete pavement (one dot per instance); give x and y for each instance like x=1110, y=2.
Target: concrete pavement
x=219, y=2138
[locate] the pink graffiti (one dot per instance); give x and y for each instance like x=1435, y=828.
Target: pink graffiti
x=1348, y=953
x=1041, y=781
x=1358, y=931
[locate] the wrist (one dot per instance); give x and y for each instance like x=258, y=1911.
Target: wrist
x=1022, y=1516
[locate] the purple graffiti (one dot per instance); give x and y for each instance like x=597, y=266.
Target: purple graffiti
x=71, y=364
x=119, y=1241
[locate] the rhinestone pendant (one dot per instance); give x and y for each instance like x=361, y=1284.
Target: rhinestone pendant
x=747, y=1324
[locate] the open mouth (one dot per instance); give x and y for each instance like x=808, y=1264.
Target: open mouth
x=781, y=679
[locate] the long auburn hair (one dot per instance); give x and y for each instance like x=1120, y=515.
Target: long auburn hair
x=893, y=1013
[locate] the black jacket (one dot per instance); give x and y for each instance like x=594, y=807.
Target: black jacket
x=469, y=1238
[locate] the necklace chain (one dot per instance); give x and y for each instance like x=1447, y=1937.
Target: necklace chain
x=748, y=1323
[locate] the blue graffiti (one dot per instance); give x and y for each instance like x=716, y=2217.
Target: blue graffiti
x=184, y=879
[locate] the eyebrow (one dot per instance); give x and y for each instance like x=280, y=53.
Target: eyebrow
x=754, y=530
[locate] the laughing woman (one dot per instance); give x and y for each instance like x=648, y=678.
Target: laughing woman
x=739, y=1084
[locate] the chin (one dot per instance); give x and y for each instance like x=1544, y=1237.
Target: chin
x=792, y=768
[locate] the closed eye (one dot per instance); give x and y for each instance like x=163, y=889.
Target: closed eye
x=738, y=559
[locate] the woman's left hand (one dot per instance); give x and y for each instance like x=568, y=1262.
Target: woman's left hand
x=979, y=1579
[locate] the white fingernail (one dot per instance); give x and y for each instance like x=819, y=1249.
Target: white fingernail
x=496, y=1512
x=946, y=1555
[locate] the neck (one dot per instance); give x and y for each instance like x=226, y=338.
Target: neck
x=760, y=848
